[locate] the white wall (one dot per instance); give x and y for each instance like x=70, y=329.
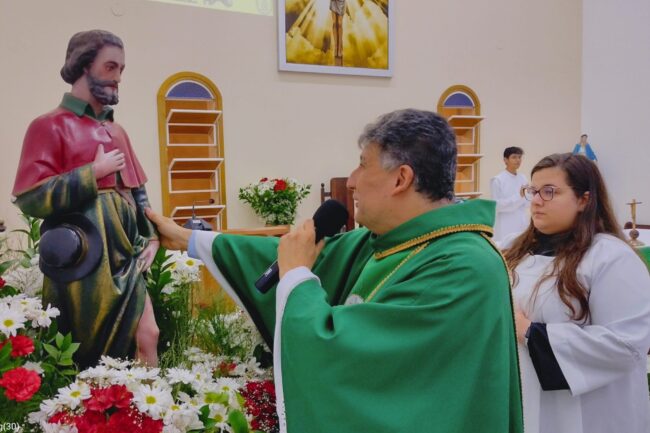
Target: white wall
x=522, y=59
x=616, y=98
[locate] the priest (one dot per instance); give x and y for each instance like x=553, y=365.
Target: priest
x=404, y=325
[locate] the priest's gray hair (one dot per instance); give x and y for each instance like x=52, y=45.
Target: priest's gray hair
x=82, y=50
x=424, y=141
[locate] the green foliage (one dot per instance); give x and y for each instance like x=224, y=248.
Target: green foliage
x=33, y=234
x=54, y=352
x=173, y=311
x=221, y=331
x=275, y=200
x=12, y=259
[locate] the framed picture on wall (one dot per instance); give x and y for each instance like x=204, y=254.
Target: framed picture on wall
x=351, y=37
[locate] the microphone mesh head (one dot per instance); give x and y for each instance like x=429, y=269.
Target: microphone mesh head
x=329, y=218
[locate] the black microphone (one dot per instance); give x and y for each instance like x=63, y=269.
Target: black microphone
x=328, y=220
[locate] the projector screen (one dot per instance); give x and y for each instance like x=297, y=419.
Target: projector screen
x=257, y=7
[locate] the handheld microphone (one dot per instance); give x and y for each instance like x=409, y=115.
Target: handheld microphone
x=328, y=220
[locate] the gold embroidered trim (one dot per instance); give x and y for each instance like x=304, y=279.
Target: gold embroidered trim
x=433, y=235
x=406, y=259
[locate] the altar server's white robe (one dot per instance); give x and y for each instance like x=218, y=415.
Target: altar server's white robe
x=512, y=209
x=603, y=361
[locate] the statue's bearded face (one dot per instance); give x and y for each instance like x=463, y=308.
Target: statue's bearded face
x=105, y=91
x=105, y=74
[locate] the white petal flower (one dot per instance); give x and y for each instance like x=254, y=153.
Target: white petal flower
x=179, y=375
x=44, y=317
x=11, y=320
x=114, y=362
x=73, y=394
x=153, y=400
x=33, y=366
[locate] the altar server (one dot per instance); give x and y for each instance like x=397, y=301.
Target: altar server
x=582, y=307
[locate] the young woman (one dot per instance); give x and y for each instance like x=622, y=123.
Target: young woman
x=582, y=307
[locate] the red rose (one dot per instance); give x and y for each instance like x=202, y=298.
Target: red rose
x=21, y=345
x=280, y=185
x=2, y=283
x=20, y=384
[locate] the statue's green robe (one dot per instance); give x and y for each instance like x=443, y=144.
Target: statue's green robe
x=428, y=348
x=55, y=177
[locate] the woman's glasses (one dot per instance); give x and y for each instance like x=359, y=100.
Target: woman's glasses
x=546, y=193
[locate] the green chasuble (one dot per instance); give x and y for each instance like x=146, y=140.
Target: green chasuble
x=425, y=342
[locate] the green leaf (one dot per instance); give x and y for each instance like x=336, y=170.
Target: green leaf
x=47, y=367
x=53, y=351
x=238, y=422
x=6, y=265
x=5, y=352
x=66, y=342
x=65, y=361
x=69, y=372
x=59, y=339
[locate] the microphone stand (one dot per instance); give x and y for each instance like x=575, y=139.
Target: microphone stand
x=195, y=223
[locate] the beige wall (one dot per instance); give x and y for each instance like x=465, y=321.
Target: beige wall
x=616, y=91
x=522, y=59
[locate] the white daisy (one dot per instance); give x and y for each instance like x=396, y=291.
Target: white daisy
x=114, y=363
x=44, y=317
x=153, y=400
x=179, y=375
x=11, y=320
x=73, y=394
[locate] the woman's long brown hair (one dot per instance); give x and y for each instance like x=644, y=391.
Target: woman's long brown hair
x=583, y=176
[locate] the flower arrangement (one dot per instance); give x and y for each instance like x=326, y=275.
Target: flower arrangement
x=171, y=281
x=275, y=200
x=204, y=395
x=35, y=359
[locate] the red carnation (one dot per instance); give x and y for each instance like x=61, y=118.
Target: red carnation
x=61, y=418
x=100, y=400
x=264, y=179
x=2, y=283
x=280, y=185
x=91, y=422
x=21, y=345
x=125, y=420
x=20, y=384
x=119, y=396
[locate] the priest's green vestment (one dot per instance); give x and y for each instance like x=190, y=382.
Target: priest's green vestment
x=410, y=331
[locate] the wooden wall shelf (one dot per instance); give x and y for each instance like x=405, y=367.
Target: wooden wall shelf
x=460, y=105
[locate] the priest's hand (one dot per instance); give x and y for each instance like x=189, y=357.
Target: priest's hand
x=107, y=163
x=521, y=324
x=299, y=248
x=172, y=236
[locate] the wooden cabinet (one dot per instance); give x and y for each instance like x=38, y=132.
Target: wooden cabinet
x=192, y=161
x=460, y=105
x=192, y=164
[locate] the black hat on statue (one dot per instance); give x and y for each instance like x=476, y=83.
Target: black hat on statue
x=70, y=247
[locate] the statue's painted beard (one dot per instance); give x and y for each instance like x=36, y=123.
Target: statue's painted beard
x=97, y=89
